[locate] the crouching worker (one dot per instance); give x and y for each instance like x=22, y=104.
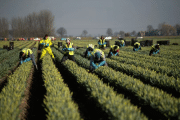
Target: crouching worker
x=114, y=51
x=68, y=51
x=154, y=49
x=89, y=50
x=46, y=43
x=26, y=55
x=136, y=46
x=97, y=59
x=121, y=43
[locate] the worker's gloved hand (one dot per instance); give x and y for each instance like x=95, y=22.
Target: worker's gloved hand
x=89, y=54
x=26, y=60
x=115, y=54
x=64, y=49
x=101, y=63
x=104, y=43
x=111, y=53
x=71, y=49
x=95, y=67
x=21, y=62
x=42, y=43
x=47, y=45
x=99, y=43
x=157, y=51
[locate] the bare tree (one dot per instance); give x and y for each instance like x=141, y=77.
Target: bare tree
x=61, y=31
x=121, y=33
x=4, y=28
x=109, y=32
x=167, y=29
x=127, y=34
x=177, y=27
x=149, y=28
x=116, y=34
x=133, y=33
x=84, y=32
x=46, y=22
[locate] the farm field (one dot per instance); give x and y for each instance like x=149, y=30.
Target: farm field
x=134, y=86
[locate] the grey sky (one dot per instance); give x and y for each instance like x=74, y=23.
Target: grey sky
x=96, y=16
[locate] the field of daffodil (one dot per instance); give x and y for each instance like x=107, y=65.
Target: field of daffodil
x=134, y=85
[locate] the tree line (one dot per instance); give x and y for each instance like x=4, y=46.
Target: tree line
x=163, y=30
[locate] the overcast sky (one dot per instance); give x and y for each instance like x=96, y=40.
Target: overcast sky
x=96, y=16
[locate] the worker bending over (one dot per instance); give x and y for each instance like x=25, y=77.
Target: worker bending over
x=154, y=49
x=89, y=50
x=26, y=55
x=68, y=51
x=97, y=59
x=121, y=43
x=136, y=46
x=46, y=43
x=114, y=51
x=102, y=43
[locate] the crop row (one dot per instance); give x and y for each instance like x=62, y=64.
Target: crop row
x=165, y=52
x=114, y=105
x=148, y=76
x=13, y=93
x=151, y=66
x=58, y=100
x=156, y=98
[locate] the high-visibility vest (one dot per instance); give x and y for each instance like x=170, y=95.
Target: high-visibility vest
x=113, y=49
x=69, y=52
x=121, y=41
x=154, y=47
x=27, y=51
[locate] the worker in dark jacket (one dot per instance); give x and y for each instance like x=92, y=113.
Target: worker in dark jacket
x=26, y=55
x=114, y=51
x=102, y=43
x=154, y=49
x=90, y=48
x=137, y=46
x=97, y=59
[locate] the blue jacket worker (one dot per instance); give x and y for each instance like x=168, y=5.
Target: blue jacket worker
x=89, y=50
x=97, y=59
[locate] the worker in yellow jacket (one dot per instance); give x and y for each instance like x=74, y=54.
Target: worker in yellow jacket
x=46, y=43
x=68, y=51
x=102, y=43
x=26, y=55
